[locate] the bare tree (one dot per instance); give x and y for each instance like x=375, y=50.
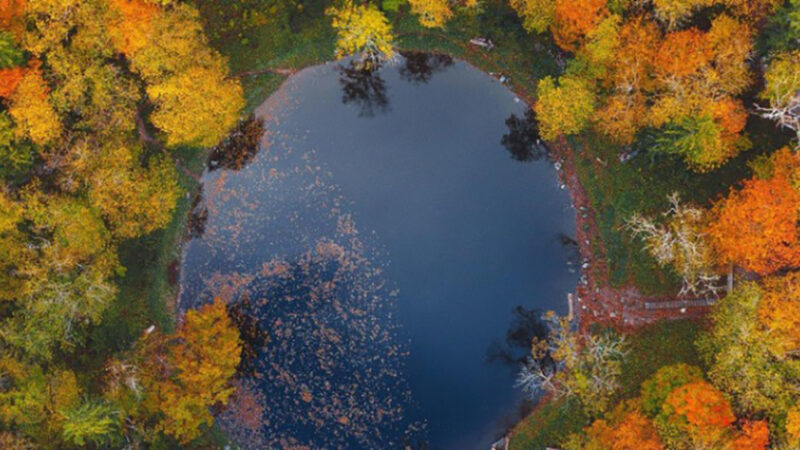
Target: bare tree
x=679, y=240
x=569, y=364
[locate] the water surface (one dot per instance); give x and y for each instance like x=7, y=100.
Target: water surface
x=395, y=252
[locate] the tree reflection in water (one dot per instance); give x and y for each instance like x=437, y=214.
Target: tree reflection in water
x=239, y=148
x=522, y=140
x=525, y=325
x=365, y=88
x=198, y=216
x=419, y=67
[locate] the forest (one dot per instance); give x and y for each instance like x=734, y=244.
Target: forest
x=679, y=120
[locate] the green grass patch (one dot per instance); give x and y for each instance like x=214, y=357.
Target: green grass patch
x=662, y=344
x=548, y=425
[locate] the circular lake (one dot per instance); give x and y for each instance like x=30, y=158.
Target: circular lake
x=395, y=237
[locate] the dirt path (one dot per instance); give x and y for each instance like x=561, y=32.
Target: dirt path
x=276, y=71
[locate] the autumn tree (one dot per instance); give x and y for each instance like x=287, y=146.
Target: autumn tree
x=33, y=398
x=362, y=31
x=432, y=13
x=79, y=80
x=32, y=111
x=625, y=428
x=756, y=227
x=674, y=13
x=782, y=90
x=573, y=20
x=779, y=313
x=537, y=15
x=754, y=435
x=90, y=422
x=696, y=412
x=654, y=390
x=196, y=107
x=563, y=109
x=195, y=102
x=745, y=359
x=179, y=377
x=679, y=240
x=683, y=83
x=571, y=364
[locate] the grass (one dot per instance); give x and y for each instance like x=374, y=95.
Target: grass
x=548, y=425
x=664, y=343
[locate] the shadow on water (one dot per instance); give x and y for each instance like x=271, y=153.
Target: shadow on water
x=526, y=324
x=364, y=88
x=198, y=216
x=254, y=337
x=420, y=67
x=522, y=140
x=239, y=148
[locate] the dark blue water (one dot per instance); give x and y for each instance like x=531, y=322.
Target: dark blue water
x=394, y=251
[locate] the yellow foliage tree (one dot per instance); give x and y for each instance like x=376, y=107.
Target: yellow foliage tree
x=134, y=200
x=676, y=12
x=363, y=31
x=197, y=106
x=779, y=312
x=32, y=112
x=563, y=109
x=537, y=15
x=432, y=13
x=194, y=374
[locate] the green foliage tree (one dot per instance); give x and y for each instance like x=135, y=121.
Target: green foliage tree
x=656, y=389
x=90, y=422
x=741, y=359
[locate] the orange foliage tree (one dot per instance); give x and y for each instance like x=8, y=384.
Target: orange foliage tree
x=10, y=12
x=9, y=80
x=129, y=30
x=756, y=227
x=625, y=428
x=779, y=312
x=700, y=410
x=753, y=436
x=633, y=432
x=574, y=19
x=682, y=53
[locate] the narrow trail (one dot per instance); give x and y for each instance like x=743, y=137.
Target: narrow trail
x=276, y=71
